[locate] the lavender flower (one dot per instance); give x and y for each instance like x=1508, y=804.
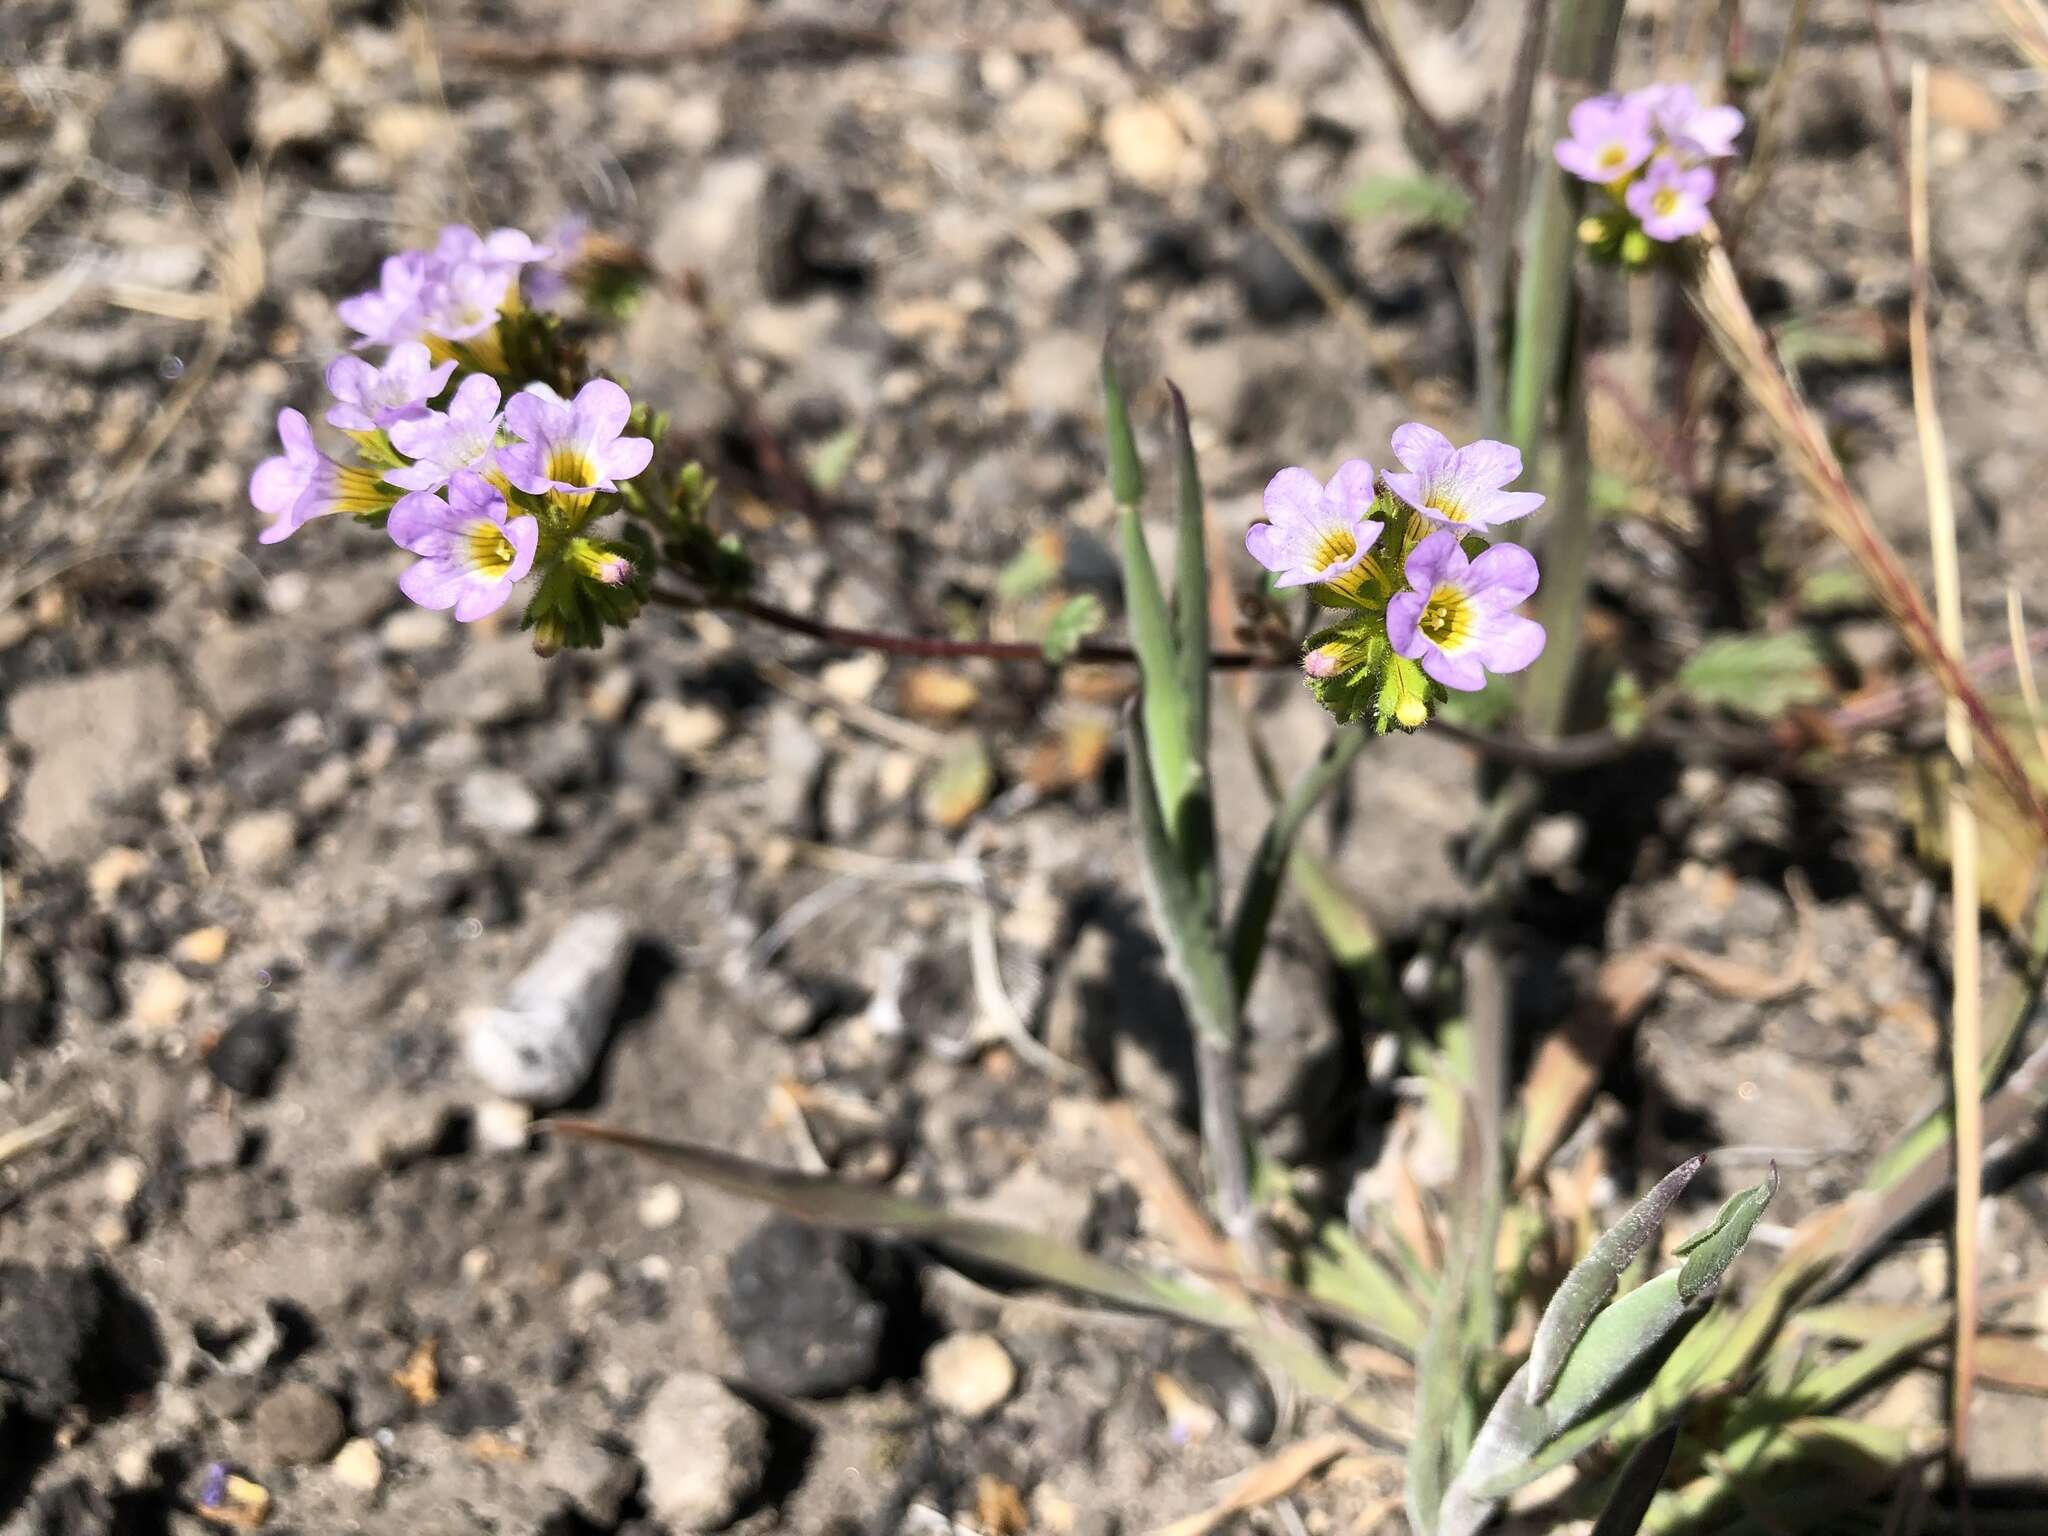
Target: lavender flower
x=505, y=249
x=302, y=483
x=549, y=279
x=465, y=436
x=1611, y=136
x=471, y=553
x=1315, y=534
x=370, y=398
x=391, y=311
x=1689, y=126
x=1457, y=619
x=572, y=448
x=1461, y=486
x=1671, y=199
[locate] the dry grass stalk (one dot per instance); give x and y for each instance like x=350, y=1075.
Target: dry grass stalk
x=1965, y=1041
x=1716, y=295
x=2026, y=22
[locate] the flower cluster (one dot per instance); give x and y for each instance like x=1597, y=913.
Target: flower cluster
x=486, y=490
x=1427, y=604
x=1652, y=151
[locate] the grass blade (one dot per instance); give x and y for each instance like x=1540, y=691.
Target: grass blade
x=1637, y=1485
x=1191, y=584
x=1261, y=890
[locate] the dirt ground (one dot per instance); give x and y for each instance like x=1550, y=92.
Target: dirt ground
x=268, y=830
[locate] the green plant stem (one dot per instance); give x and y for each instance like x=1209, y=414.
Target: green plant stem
x=1261, y=891
x=1498, y=218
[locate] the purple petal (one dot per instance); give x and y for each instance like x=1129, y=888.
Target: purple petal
x=1263, y=542
x=434, y=583
x=1591, y=118
x=476, y=399
x=472, y=496
x=1413, y=489
x=525, y=465
x=1508, y=644
x=1423, y=449
x=296, y=434
x=1291, y=497
x=423, y=523
x=1488, y=465
x=1404, y=614
x=1350, y=491
x=523, y=533
x=1436, y=560
x=1501, y=577
x=1464, y=673
x=626, y=457
x=602, y=408
x=423, y=476
x=1506, y=506
x=530, y=416
x=276, y=485
x=1580, y=161
x=350, y=378
x=481, y=598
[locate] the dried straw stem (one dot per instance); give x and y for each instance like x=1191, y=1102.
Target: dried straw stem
x=1716, y=296
x=1966, y=1033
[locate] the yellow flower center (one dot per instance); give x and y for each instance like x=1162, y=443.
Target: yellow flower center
x=1447, y=620
x=1334, y=547
x=1665, y=201
x=570, y=465
x=489, y=552
x=1614, y=156
x=1448, y=505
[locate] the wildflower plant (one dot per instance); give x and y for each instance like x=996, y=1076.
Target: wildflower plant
x=481, y=443
x=1651, y=152
x=1424, y=605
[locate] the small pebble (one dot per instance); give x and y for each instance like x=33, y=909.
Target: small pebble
x=685, y=730
x=414, y=631
x=202, y=946
x=249, y=1053
x=123, y=1179
x=357, y=1465
x=705, y=1452
x=503, y=1125
x=157, y=1001
x=498, y=803
x=260, y=843
x=661, y=1206
x=297, y=1424
x=969, y=1374
x=539, y=1045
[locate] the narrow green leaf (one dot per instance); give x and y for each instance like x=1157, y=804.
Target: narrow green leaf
x=1261, y=890
x=1194, y=953
x=1594, y=1278
x=1163, y=704
x=1191, y=583
x=1708, y=1255
x=1637, y=1486
x=1342, y=1273
x=831, y=460
x=1126, y=475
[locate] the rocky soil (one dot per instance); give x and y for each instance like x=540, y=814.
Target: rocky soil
x=272, y=836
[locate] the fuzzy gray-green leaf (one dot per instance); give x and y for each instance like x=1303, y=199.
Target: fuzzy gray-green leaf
x=1594, y=1278
x=1708, y=1255
x=1126, y=475
x=1194, y=951
x=1637, y=1485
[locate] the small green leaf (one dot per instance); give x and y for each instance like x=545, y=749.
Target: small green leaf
x=1837, y=590
x=1594, y=1278
x=1625, y=710
x=1760, y=676
x=1126, y=475
x=1708, y=1255
x=831, y=460
x=1420, y=202
x=1078, y=618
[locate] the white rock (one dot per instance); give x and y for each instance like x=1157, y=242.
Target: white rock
x=1146, y=144
x=357, y=1465
x=498, y=803
x=503, y=1125
x=704, y=1450
x=539, y=1044
x=661, y=1206
x=180, y=52
x=970, y=1374
x=260, y=843
x=1046, y=125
